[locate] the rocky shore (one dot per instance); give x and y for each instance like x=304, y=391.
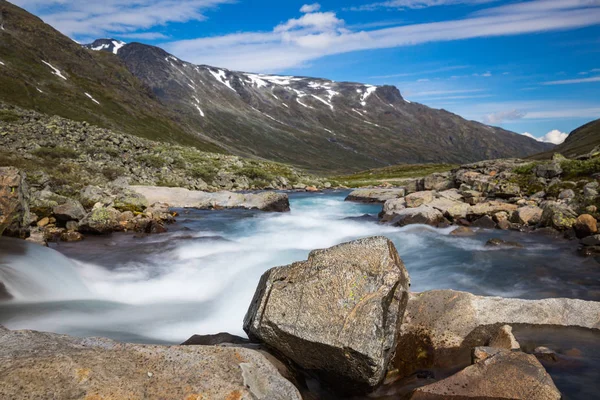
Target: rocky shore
x=559, y=196
x=342, y=324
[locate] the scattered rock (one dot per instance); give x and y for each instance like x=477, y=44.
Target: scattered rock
x=337, y=313
x=375, y=195
x=558, y=216
x=528, y=215
x=566, y=194
x=495, y=242
x=504, y=339
x=548, y=170
x=463, y=231
x=418, y=199
x=485, y=222
x=419, y=215
x=100, y=220
x=14, y=207
x=438, y=181
x=43, y=222
x=71, y=210
x=585, y=226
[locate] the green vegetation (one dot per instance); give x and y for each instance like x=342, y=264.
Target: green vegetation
x=526, y=169
x=580, y=168
x=392, y=174
x=8, y=116
x=56, y=153
x=151, y=160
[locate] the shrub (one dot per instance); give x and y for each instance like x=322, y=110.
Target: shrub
x=256, y=173
x=112, y=173
x=151, y=160
x=205, y=172
x=526, y=169
x=580, y=168
x=9, y=116
x=56, y=153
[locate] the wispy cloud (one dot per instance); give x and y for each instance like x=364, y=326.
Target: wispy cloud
x=426, y=72
x=309, y=8
x=500, y=117
x=319, y=34
x=573, y=81
x=445, y=92
x=413, y=4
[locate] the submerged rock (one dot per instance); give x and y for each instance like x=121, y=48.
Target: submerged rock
x=35, y=364
x=336, y=314
x=495, y=242
x=501, y=375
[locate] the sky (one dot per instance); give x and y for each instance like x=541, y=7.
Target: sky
x=532, y=67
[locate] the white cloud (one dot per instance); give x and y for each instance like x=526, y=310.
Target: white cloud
x=555, y=137
x=316, y=35
x=572, y=81
x=499, y=117
x=404, y=4
x=309, y=8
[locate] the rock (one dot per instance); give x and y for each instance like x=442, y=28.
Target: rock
x=97, y=368
x=71, y=236
x=37, y=236
x=155, y=227
x=545, y=354
x=214, y=340
x=589, y=192
x=450, y=194
x=442, y=326
x=480, y=353
x=589, y=251
x=418, y=199
x=71, y=210
x=462, y=231
x=419, y=215
x=485, y=222
x=312, y=189
x=558, y=216
x=183, y=198
x=100, y=220
x=453, y=210
x=566, y=194
x=4, y=293
x=593, y=240
x=490, y=208
x=14, y=208
x=129, y=200
x=391, y=207
x=507, y=190
x=472, y=197
x=71, y=226
x=42, y=203
x=375, y=195
x=91, y=195
x=502, y=243
x=438, y=181
x=528, y=215
x=502, y=375
x=504, y=339
x=585, y=226
x=43, y=222
x=548, y=170
x=336, y=314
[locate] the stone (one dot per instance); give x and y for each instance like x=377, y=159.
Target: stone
x=438, y=181
x=71, y=226
x=71, y=210
x=453, y=210
x=441, y=327
x=418, y=199
x=375, y=195
x=490, y=208
x=502, y=375
x=585, y=225
x=548, y=170
x=154, y=226
x=91, y=195
x=129, y=200
x=558, y=216
x=4, y=293
x=485, y=222
x=100, y=220
x=593, y=240
x=494, y=242
x=450, y=194
x=184, y=198
x=311, y=189
x=98, y=368
x=336, y=314
x=71, y=236
x=37, y=236
x=504, y=339
x=463, y=231
x=507, y=190
x=392, y=207
x=528, y=215
x=215, y=340
x=480, y=353
x=419, y=215
x=543, y=353
x=43, y=222
x=43, y=202
x=566, y=194
x=14, y=207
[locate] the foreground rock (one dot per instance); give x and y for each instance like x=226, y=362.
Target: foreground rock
x=36, y=364
x=183, y=198
x=375, y=195
x=442, y=326
x=14, y=208
x=501, y=375
x=336, y=314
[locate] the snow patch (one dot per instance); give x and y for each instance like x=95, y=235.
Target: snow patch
x=365, y=95
x=91, y=98
x=255, y=80
x=302, y=104
x=39, y=90
x=370, y=123
x=101, y=47
x=221, y=77
x=55, y=71
x=117, y=44
x=285, y=105
x=323, y=101
x=197, y=105
x=329, y=130
x=1, y=63
x=407, y=101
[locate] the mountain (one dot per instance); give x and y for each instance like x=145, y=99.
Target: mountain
x=315, y=123
x=42, y=69
x=581, y=141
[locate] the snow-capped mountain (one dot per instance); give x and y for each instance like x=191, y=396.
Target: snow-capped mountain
x=110, y=45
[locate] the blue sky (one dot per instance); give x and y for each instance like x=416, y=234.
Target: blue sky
x=528, y=66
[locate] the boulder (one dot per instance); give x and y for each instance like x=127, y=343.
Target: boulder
x=593, y=240
x=71, y=236
x=184, y=198
x=528, y=215
x=495, y=242
x=336, y=314
x=91, y=195
x=504, y=339
x=490, y=208
x=14, y=208
x=36, y=364
x=392, y=207
x=442, y=326
x=4, y=293
x=566, y=194
x=42, y=203
x=419, y=215
x=485, y=222
x=585, y=225
x=451, y=209
x=558, y=215
x=71, y=210
x=438, y=181
x=129, y=200
x=100, y=220
x=501, y=375
x=548, y=170
x=417, y=199
x=450, y=194
x=462, y=231
x=375, y=195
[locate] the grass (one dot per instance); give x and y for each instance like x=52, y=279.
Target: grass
x=580, y=168
x=56, y=153
x=391, y=174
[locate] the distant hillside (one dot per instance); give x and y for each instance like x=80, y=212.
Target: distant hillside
x=581, y=141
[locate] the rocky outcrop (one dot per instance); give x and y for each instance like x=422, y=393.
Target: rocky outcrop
x=183, y=198
x=35, y=364
x=14, y=207
x=419, y=215
x=502, y=374
x=375, y=195
x=336, y=314
x=441, y=327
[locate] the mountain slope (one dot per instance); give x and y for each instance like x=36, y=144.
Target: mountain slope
x=315, y=123
x=44, y=70
x=579, y=142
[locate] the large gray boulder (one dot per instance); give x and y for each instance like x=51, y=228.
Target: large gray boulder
x=503, y=374
x=442, y=326
x=71, y=210
x=336, y=314
x=375, y=195
x=419, y=215
x=184, y=198
x=100, y=220
x=14, y=208
x=558, y=215
x=439, y=181
x=37, y=365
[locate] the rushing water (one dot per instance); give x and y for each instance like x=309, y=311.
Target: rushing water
x=200, y=277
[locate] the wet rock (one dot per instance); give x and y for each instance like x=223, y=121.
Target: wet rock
x=375, y=195
x=495, y=242
x=528, y=215
x=71, y=236
x=485, y=222
x=545, y=354
x=97, y=368
x=504, y=339
x=593, y=240
x=442, y=326
x=14, y=207
x=463, y=231
x=100, y=220
x=418, y=199
x=71, y=210
x=336, y=314
x=392, y=207
x=585, y=226
x=419, y=215
x=4, y=293
x=589, y=251
x=503, y=375
x=214, y=340
x=37, y=236
x=154, y=226
x=558, y=216
x=129, y=200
